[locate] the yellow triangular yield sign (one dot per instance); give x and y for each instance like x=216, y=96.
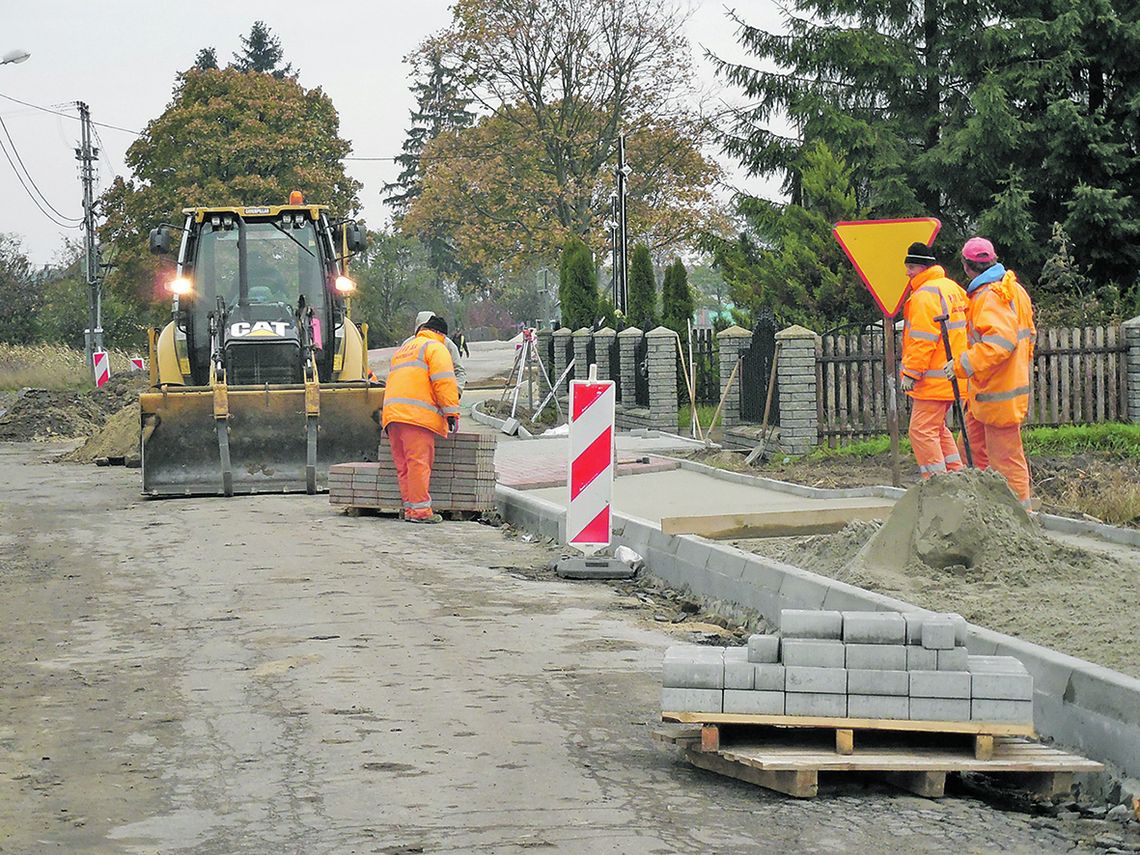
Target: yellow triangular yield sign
x=877, y=249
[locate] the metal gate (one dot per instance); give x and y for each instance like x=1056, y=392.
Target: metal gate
x=615, y=367
x=756, y=369
x=641, y=372
x=706, y=368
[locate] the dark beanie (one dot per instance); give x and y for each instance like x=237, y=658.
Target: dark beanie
x=919, y=253
x=436, y=324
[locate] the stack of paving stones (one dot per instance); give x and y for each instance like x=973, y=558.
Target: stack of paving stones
x=462, y=477
x=859, y=665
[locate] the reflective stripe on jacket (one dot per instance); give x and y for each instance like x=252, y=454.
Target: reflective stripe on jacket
x=460, y=371
x=421, y=387
x=999, y=359
x=923, y=353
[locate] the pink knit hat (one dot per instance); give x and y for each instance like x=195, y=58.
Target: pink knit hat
x=979, y=249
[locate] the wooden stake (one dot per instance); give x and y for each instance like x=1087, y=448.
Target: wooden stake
x=723, y=393
x=691, y=392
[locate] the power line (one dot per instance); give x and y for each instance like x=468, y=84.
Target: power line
x=31, y=195
x=69, y=116
x=31, y=180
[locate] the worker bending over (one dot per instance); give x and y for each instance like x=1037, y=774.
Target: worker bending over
x=997, y=363
x=421, y=400
x=460, y=371
x=932, y=296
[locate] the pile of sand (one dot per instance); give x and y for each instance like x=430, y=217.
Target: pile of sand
x=117, y=441
x=45, y=414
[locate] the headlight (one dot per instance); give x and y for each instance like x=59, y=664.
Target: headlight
x=181, y=286
x=344, y=285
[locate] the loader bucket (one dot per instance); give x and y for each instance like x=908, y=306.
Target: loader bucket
x=267, y=438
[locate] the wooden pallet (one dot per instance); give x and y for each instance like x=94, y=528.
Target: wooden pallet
x=984, y=733
x=790, y=762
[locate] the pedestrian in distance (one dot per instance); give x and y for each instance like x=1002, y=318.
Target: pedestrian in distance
x=933, y=300
x=452, y=349
x=997, y=363
x=460, y=340
x=421, y=401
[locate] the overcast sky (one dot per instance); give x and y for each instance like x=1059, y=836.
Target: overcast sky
x=121, y=57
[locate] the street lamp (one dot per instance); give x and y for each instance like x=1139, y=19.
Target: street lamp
x=17, y=55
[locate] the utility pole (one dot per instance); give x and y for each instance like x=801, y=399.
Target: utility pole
x=612, y=228
x=622, y=232
x=85, y=154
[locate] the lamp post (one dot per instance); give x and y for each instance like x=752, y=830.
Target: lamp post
x=14, y=56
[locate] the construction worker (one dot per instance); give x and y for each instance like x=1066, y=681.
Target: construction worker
x=460, y=339
x=932, y=295
x=421, y=401
x=997, y=363
x=460, y=371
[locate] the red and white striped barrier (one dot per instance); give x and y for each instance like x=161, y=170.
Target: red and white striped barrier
x=102, y=365
x=138, y=363
x=590, y=466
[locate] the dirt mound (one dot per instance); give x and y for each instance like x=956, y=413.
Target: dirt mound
x=43, y=414
x=954, y=521
x=119, y=438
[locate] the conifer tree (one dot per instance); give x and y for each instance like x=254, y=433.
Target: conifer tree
x=642, y=289
x=261, y=52
x=577, y=286
x=206, y=60
x=677, y=299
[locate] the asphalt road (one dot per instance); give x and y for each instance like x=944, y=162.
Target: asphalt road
x=266, y=675
x=488, y=359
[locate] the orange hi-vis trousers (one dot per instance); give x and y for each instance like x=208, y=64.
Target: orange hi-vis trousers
x=413, y=452
x=933, y=444
x=1000, y=448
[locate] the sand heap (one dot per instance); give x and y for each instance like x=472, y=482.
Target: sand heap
x=117, y=442
x=954, y=521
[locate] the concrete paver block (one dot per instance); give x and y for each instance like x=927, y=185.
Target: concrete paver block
x=811, y=623
x=938, y=632
x=738, y=671
x=921, y=659
x=995, y=665
x=692, y=700
x=876, y=657
x=939, y=709
x=878, y=706
x=763, y=648
x=768, y=677
x=1016, y=712
x=813, y=652
x=913, y=627
x=1006, y=687
x=939, y=684
x=593, y=568
x=692, y=668
x=829, y=681
x=954, y=659
x=815, y=704
x=874, y=628
x=873, y=682
x=753, y=703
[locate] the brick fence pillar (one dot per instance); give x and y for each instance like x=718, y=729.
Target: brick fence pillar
x=581, y=339
x=1131, y=330
x=627, y=355
x=795, y=382
x=603, y=339
x=544, y=337
x=733, y=342
x=662, y=379
x=561, y=339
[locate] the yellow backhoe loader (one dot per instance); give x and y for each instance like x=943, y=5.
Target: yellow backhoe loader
x=260, y=382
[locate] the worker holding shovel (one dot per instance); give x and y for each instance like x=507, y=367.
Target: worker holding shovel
x=934, y=325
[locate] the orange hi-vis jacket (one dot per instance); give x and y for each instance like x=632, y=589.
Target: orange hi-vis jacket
x=999, y=359
x=421, y=388
x=923, y=353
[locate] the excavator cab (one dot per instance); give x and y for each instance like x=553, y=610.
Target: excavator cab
x=260, y=381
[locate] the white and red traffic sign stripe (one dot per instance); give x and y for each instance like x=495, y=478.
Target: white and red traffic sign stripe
x=102, y=367
x=591, y=464
x=138, y=363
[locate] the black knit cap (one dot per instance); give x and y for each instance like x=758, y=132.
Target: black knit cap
x=919, y=253
x=436, y=324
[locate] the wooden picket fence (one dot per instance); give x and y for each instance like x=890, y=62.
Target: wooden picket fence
x=1079, y=377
